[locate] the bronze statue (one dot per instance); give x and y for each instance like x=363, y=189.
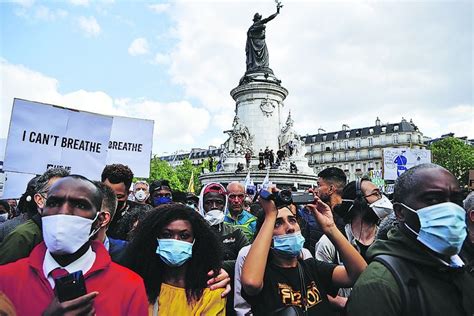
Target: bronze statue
x=256, y=48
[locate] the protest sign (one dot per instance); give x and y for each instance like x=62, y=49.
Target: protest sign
x=42, y=136
x=397, y=160
x=15, y=184
x=130, y=144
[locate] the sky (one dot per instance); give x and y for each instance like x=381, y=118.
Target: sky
x=343, y=62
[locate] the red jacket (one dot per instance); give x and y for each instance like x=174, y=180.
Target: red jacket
x=121, y=291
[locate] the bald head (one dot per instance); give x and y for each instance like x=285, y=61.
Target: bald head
x=413, y=178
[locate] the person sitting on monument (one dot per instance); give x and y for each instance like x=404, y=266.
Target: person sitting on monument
x=293, y=168
x=240, y=167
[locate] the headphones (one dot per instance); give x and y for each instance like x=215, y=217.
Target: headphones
x=358, y=189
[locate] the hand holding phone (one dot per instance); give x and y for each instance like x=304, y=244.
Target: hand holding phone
x=70, y=286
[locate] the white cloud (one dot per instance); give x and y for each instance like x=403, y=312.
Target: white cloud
x=160, y=7
x=161, y=59
x=89, y=25
x=84, y=3
x=342, y=62
x=139, y=46
x=176, y=123
x=45, y=13
x=24, y=3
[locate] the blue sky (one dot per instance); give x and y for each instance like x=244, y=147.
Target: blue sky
x=344, y=62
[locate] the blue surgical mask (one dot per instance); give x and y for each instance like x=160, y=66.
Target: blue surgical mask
x=161, y=200
x=442, y=227
x=174, y=252
x=289, y=244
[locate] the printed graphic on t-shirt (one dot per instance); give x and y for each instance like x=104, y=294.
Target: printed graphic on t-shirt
x=293, y=297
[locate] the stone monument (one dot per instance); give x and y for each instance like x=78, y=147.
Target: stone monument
x=257, y=122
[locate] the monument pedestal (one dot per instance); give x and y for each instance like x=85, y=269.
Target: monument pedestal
x=283, y=179
x=258, y=104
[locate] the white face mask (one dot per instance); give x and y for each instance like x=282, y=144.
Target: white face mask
x=382, y=207
x=65, y=234
x=3, y=217
x=141, y=196
x=214, y=217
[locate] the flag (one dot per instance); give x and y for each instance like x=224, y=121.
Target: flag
x=247, y=180
x=191, y=183
x=266, y=182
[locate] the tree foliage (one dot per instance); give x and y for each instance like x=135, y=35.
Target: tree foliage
x=178, y=177
x=454, y=155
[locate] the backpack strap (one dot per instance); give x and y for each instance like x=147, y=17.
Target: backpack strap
x=413, y=302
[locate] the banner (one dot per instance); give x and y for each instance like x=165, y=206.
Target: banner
x=15, y=184
x=397, y=160
x=130, y=144
x=43, y=136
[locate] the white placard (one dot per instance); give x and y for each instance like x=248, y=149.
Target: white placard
x=42, y=136
x=15, y=184
x=130, y=144
x=397, y=160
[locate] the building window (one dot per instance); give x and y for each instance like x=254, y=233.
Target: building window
x=348, y=134
x=371, y=131
x=322, y=147
x=371, y=142
x=357, y=154
x=370, y=153
x=335, y=135
x=346, y=144
x=395, y=139
x=384, y=129
x=409, y=138
x=395, y=128
x=324, y=138
x=322, y=158
x=333, y=157
x=357, y=143
x=345, y=156
x=333, y=146
x=313, y=139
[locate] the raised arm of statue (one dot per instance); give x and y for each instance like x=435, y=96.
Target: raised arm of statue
x=271, y=17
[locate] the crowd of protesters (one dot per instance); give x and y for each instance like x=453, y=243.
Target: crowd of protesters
x=72, y=246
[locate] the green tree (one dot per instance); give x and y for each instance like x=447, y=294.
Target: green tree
x=160, y=169
x=454, y=155
x=184, y=172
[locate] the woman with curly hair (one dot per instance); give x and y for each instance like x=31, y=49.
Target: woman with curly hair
x=173, y=249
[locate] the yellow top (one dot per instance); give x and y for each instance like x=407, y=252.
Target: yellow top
x=172, y=301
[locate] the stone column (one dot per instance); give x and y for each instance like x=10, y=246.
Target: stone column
x=258, y=105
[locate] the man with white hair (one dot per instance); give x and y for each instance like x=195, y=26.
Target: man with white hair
x=141, y=191
x=236, y=215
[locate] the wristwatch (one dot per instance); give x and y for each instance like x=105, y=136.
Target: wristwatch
x=264, y=194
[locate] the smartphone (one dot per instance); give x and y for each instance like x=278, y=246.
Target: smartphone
x=301, y=198
x=70, y=286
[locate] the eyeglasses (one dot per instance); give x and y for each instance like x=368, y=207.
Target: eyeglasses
x=377, y=194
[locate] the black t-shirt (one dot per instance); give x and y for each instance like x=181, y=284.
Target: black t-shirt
x=281, y=287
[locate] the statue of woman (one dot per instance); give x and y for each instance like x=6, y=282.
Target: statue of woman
x=256, y=48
